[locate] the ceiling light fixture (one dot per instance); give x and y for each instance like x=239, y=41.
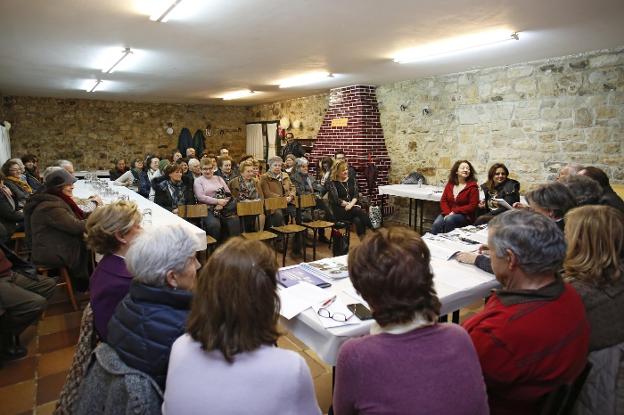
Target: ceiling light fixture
x=97, y=83
x=454, y=45
x=162, y=15
x=237, y=94
x=124, y=55
x=305, y=79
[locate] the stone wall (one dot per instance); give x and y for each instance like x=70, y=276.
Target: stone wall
x=534, y=117
x=92, y=133
x=309, y=110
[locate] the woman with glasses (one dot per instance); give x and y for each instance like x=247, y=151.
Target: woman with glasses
x=228, y=360
x=14, y=180
x=409, y=362
x=172, y=189
x=153, y=314
x=497, y=186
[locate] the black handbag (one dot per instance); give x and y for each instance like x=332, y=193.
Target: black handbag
x=339, y=242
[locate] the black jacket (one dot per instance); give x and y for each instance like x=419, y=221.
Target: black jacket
x=295, y=148
x=509, y=190
x=145, y=325
x=9, y=216
x=162, y=196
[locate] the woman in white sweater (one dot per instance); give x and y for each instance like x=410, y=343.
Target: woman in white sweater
x=227, y=363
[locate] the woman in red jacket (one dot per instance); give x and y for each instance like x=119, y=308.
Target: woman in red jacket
x=460, y=199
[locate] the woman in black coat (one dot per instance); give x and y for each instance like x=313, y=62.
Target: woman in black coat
x=173, y=189
x=498, y=186
x=153, y=314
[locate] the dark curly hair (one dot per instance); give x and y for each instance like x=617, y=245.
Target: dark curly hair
x=453, y=174
x=391, y=270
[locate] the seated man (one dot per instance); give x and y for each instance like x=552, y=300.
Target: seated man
x=23, y=297
x=533, y=335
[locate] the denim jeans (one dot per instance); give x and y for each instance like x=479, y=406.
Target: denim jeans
x=444, y=224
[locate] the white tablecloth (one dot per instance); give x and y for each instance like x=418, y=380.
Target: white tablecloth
x=458, y=285
x=413, y=191
x=160, y=216
x=100, y=173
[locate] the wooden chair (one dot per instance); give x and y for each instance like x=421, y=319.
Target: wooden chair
x=197, y=211
x=309, y=201
x=20, y=243
x=248, y=208
x=64, y=281
x=275, y=203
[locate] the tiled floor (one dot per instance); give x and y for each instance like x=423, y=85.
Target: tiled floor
x=31, y=385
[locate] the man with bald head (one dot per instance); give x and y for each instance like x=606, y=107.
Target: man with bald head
x=570, y=169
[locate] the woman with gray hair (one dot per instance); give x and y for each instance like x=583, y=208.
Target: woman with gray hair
x=152, y=316
x=532, y=336
x=276, y=183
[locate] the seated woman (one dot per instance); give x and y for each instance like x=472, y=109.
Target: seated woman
x=153, y=314
x=343, y=198
x=15, y=182
x=323, y=172
x=11, y=217
x=119, y=169
x=498, y=186
x=110, y=232
x=149, y=173
x=132, y=176
x=33, y=177
x=391, y=270
x=55, y=226
x=228, y=360
x=247, y=187
x=289, y=164
x=276, y=183
x=460, y=199
x=594, y=265
x=225, y=171
x=172, y=189
x=214, y=192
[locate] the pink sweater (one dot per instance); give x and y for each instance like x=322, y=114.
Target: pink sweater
x=205, y=189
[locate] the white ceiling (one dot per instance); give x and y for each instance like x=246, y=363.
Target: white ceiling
x=209, y=47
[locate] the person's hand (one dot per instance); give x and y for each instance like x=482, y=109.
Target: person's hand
x=466, y=257
x=289, y=199
x=222, y=202
x=484, y=249
x=451, y=213
x=348, y=207
x=175, y=211
x=97, y=199
x=218, y=207
x=482, y=204
x=519, y=205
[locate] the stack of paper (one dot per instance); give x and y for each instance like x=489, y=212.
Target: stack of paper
x=328, y=268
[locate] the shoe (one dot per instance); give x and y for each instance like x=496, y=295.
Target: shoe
x=323, y=238
x=12, y=348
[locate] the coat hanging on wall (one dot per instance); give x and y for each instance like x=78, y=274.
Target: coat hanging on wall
x=199, y=142
x=185, y=140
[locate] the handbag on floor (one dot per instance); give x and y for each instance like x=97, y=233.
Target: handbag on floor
x=339, y=242
x=374, y=213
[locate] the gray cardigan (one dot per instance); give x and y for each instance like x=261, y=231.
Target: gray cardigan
x=111, y=388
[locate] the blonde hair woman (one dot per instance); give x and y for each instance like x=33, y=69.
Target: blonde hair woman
x=594, y=265
x=110, y=231
x=343, y=198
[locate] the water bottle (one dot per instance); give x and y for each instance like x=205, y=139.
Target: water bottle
x=420, y=182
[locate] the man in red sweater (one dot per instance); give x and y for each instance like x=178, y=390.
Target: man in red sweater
x=533, y=335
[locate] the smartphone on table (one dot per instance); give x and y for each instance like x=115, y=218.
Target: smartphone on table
x=360, y=311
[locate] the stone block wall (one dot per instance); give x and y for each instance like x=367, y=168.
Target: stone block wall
x=309, y=110
x=92, y=133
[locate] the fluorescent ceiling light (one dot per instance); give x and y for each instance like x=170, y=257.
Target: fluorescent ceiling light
x=237, y=94
x=97, y=83
x=124, y=55
x=162, y=14
x=454, y=45
x=305, y=79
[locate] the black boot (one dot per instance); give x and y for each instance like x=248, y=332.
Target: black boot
x=11, y=347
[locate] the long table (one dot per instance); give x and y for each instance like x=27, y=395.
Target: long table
x=417, y=193
x=458, y=285
x=160, y=216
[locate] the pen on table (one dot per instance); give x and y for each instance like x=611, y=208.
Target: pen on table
x=328, y=302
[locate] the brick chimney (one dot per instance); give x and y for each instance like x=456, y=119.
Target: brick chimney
x=352, y=124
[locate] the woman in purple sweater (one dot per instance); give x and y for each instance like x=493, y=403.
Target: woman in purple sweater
x=110, y=231
x=409, y=364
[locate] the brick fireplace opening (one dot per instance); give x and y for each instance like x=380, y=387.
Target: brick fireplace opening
x=352, y=125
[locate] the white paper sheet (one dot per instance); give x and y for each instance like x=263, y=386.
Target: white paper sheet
x=300, y=297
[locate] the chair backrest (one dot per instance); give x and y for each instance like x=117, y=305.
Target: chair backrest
x=306, y=201
x=249, y=208
x=193, y=211
x=274, y=203
x=561, y=400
